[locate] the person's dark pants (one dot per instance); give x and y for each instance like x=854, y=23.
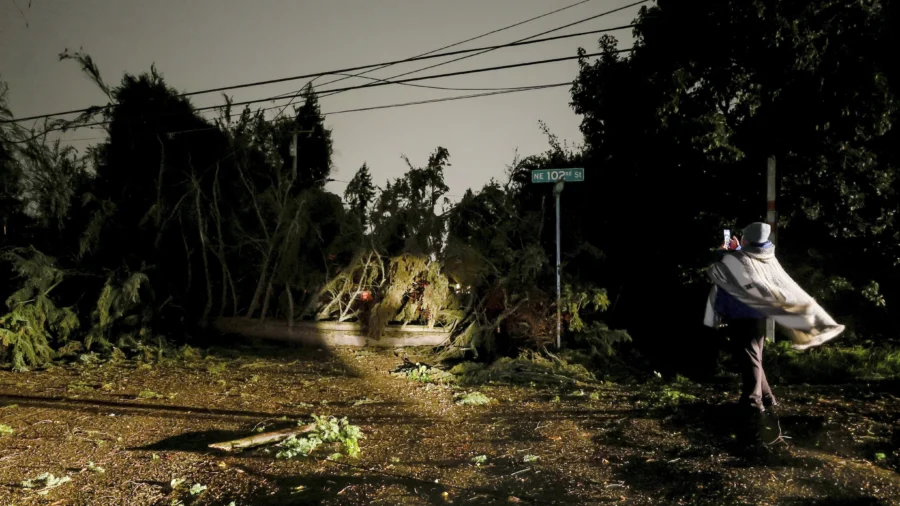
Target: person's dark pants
x=748, y=337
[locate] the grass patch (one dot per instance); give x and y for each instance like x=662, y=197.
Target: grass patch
x=833, y=364
x=149, y=394
x=423, y=373
x=80, y=387
x=670, y=396
x=216, y=368
x=528, y=368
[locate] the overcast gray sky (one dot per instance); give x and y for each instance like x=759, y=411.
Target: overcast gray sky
x=201, y=44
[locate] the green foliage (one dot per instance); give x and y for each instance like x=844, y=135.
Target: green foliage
x=359, y=195
x=314, y=145
x=417, y=291
x=670, y=396
x=347, y=294
x=600, y=340
x=6, y=430
x=45, y=481
x=472, y=399
x=94, y=468
x=197, y=489
x=327, y=430
x=684, y=135
x=594, y=336
x=404, y=218
x=11, y=204
x=119, y=309
x=34, y=323
x=573, y=301
x=51, y=174
x=833, y=364
x=422, y=373
x=216, y=368
x=526, y=368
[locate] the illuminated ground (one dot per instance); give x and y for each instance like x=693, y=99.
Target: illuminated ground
x=147, y=425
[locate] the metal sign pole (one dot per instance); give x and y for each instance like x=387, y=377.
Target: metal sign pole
x=557, y=191
x=559, y=177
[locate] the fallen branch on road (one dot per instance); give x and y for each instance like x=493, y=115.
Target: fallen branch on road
x=262, y=439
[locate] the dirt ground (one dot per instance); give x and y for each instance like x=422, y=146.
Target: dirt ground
x=148, y=425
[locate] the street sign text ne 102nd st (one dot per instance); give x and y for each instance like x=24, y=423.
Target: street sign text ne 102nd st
x=554, y=175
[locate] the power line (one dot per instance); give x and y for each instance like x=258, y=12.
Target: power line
x=386, y=106
x=492, y=32
x=368, y=85
x=385, y=83
x=341, y=71
x=463, y=51
x=511, y=89
x=434, y=76
x=445, y=88
x=612, y=11
x=448, y=99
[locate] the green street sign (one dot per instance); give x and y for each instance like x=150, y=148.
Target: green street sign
x=554, y=175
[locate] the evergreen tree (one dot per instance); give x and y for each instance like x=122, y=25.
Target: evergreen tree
x=314, y=145
x=359, y=195
x=10, y=172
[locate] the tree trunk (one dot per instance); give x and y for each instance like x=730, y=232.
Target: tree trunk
x=262, y=439
x=265, y=307
x=188, y=253
x=201, y=231
x=290, y=297
x=226, y=274
x=260, y=286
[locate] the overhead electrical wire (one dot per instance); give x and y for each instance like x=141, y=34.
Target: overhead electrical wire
x=585, y=20
x=341, y=71
x=462, y=51
x=363, y=109
x=486, y=34
x=385, y=83
x=423, y=78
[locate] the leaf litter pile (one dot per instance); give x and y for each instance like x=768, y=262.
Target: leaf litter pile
x=272, y=426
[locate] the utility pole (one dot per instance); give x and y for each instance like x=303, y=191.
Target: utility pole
x=772, y=219
x=557, y=192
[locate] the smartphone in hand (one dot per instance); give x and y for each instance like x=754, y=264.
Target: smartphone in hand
x=727, y=239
